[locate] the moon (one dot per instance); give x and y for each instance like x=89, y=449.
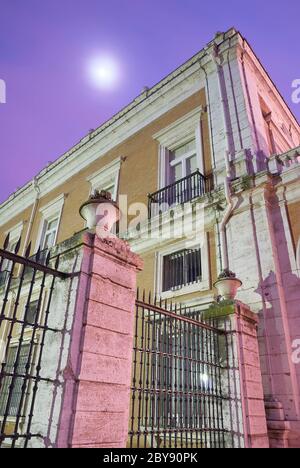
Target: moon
x=104, y=72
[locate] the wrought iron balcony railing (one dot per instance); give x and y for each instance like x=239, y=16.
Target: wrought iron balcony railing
x=184, y=190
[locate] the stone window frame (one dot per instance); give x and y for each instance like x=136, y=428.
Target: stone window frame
x=15, y=232
x=177, y=134
x=49, y=212
x=106, y=177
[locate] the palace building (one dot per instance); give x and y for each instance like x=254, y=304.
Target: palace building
x=216, y=134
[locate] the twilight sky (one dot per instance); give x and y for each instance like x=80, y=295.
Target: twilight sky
x=47, y=49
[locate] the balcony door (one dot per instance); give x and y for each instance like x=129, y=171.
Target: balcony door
x=181, y=163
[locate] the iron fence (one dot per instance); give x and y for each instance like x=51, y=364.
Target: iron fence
x=185, y=384
x=26, y=291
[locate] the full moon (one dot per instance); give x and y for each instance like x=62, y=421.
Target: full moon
x=104, y=72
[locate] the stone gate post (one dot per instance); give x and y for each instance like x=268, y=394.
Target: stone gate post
x=252, y=395
x=96, y=401
x=249, y=417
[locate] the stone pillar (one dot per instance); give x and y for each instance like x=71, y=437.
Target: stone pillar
x=252, y=396
x=95, y=409
x=278, y=428
x=249, y=418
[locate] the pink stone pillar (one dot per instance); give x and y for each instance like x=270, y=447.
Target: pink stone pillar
x=278, y=427
x=252, y=396
x=95, y=410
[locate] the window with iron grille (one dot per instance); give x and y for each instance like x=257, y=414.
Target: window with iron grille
x=7, y=264
x=31, y=313
x=18, y=381
x=181, y=269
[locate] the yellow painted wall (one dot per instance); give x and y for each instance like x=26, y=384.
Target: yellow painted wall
x=138, y=177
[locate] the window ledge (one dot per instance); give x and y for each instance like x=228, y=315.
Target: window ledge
x=193, y=288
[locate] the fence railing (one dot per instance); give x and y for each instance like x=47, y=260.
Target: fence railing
x=185, y=387
x=26, y=293
x=187, y=189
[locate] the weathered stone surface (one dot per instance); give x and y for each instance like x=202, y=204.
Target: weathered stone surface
x=107, y=342
x=103, y=335
x=109, y=318
x=253, y=405
x=102, y=397
x=98, y=428
x=106, y=292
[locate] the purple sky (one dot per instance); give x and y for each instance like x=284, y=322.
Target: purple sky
x=45, y=47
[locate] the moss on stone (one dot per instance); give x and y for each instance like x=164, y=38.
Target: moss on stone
x=220, y=309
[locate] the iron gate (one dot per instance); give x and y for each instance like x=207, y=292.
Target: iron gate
x=185, y=384
x=26, y=290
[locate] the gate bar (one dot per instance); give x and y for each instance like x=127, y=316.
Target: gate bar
x=184, y=318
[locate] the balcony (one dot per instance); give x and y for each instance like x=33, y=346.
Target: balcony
x=185, y=190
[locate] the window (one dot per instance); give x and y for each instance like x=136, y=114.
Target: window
x=181, y=150
x=269, y=133
x=17, y=391
x=51, y=216
x=30, y=315
x=49, y=235
x=14, y=236
x=107, y=179
x=7, y=264
x=181, y=269
x=183, y=161
x=18, y=361
x=278, y=139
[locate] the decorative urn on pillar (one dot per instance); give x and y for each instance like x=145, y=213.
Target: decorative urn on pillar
x=100, y=213
x=227, y=285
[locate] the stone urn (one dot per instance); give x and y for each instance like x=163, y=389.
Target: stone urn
x=100, y=213
x=227, y=285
